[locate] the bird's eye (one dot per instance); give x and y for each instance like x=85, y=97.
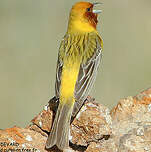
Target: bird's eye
x=88, y=9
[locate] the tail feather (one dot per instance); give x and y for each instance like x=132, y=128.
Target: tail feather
x=59, y=134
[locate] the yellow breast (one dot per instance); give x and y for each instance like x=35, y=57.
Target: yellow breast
x=69, y=76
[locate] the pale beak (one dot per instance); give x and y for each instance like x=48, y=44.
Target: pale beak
x=96, y=11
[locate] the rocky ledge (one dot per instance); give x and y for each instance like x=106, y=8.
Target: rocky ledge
x=126, y=128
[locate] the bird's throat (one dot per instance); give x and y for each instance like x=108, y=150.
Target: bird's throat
x=78, y=26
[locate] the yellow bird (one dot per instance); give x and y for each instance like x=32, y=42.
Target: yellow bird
x=78, y=59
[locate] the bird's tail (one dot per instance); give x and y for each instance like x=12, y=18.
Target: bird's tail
x=59, y=134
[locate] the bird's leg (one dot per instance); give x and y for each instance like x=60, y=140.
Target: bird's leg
x=90, y=99
x=53, y=103
x=78, y=105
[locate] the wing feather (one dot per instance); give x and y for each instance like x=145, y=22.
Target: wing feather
x=58, y=78
x=86, y=78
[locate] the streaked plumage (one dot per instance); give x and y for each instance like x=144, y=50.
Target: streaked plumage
x=87, y=49
x=78, y=59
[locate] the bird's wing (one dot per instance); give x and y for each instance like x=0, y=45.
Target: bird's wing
x=59, y=67
x=58, y=78
x=86, y=78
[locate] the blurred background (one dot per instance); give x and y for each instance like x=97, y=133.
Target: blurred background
x=30, y=35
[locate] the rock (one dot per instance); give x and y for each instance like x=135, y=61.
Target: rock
x=127, y=128
x=44, y=119
x=92, y=124
x=20, y=139
x=103, y=146
x=93, y=147
x=131, y=120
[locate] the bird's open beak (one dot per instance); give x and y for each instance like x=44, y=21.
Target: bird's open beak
x=96, y=11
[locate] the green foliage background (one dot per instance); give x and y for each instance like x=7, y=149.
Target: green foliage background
x=30, y=34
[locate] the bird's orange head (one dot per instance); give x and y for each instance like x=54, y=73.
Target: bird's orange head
x=83, y=17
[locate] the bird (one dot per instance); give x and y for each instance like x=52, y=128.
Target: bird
x=79, y=55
